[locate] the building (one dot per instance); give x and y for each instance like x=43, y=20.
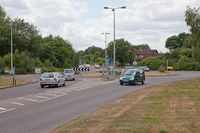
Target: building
x=141, y=54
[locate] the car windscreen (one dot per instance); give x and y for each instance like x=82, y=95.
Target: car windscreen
x=47, y=75
x=129, y=72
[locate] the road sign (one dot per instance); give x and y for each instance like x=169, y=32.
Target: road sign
x=169, y=67
x=81, y=62
x=107, y=59
x=81, y=69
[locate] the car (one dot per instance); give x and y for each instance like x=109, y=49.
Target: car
x=132, y=76
x=87, y=65
x=69, y=74
x=97, y=66
x=52, y=79
x=145, y=68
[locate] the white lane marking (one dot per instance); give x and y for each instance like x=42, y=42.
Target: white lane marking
x=48, y=94
x=49, y=98
x=40, y=96
x=7, y=110
x=56, y=92
x=28, y=99
x=2, y=108
x=17, y=103
x=65, y=91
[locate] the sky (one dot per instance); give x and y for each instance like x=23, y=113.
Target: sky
x=82, y=22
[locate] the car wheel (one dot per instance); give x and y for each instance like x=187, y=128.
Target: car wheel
x=64, y=84
x=142, y=82
x=42, y=86
x=121, y=83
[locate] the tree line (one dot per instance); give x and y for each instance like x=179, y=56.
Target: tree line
x=31, y=50
x=184, y=48
x=53, y=53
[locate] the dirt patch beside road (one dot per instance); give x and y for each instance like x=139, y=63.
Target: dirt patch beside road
x=6, y=82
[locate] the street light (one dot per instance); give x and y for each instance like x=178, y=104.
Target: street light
x=11, y=47
x=12, y=71
x=113, y=9
x=106, y=34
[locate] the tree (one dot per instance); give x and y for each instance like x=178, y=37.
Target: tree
x=4, y=32
x=192, y=18
x=124, y=51
x=26, y=37
x=59, y=52
x=143, y=47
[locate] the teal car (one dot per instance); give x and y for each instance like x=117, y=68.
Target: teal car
x=132, y=76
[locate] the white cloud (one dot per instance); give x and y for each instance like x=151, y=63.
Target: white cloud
x=144, y=21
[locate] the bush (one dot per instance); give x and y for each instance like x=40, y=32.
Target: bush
x=162, y=69
x=152, y=62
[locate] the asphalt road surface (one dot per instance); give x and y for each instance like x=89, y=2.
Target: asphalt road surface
x=30, y=109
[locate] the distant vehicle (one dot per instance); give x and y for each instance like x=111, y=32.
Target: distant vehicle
x=132, y=76
x=145, y=68
x=52, y=79
x=69, y=74
x=97, y=66
x=87, y=65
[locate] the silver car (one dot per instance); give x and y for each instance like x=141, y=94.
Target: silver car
x=69, y=74
x=52, y=79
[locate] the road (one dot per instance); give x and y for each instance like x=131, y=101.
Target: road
x=34, y=110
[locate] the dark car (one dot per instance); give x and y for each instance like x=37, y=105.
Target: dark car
x=132, y=76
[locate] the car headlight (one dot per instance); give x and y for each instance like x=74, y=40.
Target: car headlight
x=121, y=78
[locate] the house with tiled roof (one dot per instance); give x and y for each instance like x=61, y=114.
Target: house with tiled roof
x=141, y=54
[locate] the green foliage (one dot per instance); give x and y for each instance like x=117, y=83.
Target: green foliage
x=153, y=63
x=192, y=18
x=124, y=51
x=31, y=49
x=162, y=69
x=179, y=41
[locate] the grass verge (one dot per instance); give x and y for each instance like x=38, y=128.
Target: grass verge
x=8, y=82
x=167, y=108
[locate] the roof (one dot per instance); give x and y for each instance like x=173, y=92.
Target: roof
x=146, y=52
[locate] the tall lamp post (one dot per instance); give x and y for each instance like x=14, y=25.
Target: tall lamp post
x=113, y=9
x=11, y=47
x=106, y=34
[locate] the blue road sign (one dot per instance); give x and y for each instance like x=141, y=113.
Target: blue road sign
x=107, y=59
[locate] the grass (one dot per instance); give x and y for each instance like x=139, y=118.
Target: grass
x=168, y=108
x=8, y=82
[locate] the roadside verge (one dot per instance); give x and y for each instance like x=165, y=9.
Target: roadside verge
x=166, y=108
